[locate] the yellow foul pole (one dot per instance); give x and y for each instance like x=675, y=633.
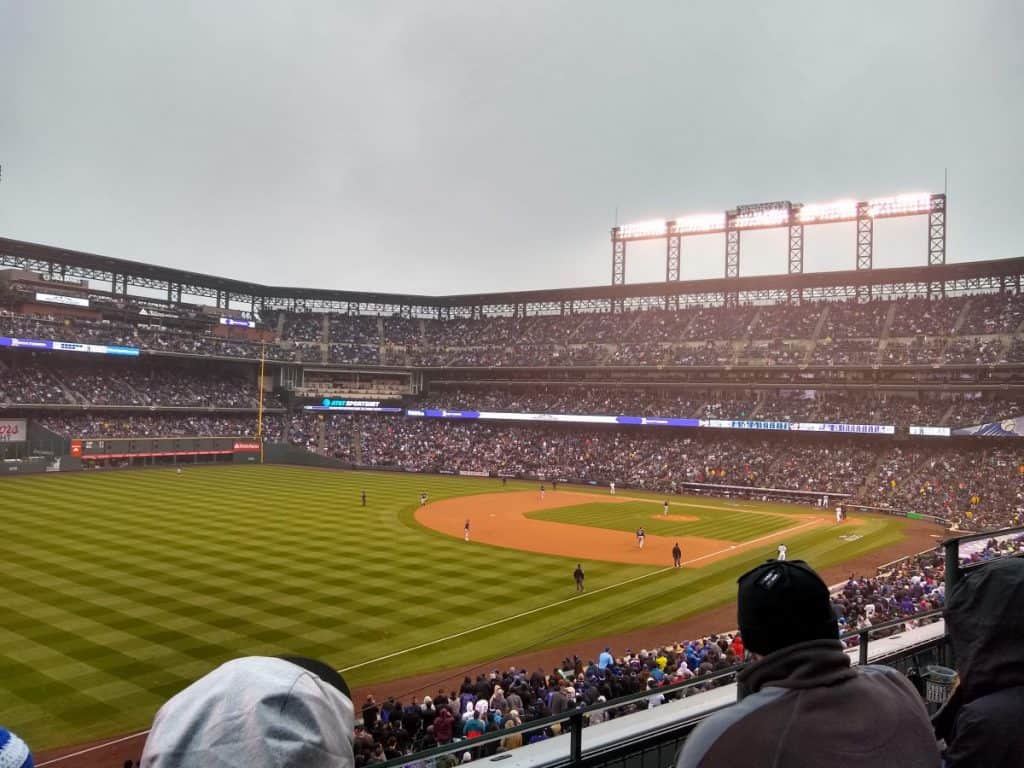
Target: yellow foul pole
x=259, y=416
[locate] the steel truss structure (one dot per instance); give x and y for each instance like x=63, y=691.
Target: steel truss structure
x=116, y=279
x=794, y=216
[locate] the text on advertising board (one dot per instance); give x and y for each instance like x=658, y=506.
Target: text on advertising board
x=12, y=430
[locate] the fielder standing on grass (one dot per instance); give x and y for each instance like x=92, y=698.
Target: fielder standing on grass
x=664, y=507
x=782, y=552
x=578, y=576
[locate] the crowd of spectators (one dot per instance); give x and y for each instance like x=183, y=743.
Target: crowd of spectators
x=850, y=333
x=926, y=317
x=975, y=489
x=148, y=335
x=773, y=352
x=303, y=326
x=119, y=424
x=853, y=319
x=910, y=586
x=830, y=351
x=995, y=313
x=631, y=458
x=30, y=384
x=45, y=379
x=786, y=321
x=503, y=700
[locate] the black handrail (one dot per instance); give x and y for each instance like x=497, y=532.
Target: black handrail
x=575, y=716
x=951, y=548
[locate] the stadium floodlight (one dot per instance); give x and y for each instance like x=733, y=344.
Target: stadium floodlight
x=650, y=228
x=900, y=205
x=701, y=222
x=782, y=213
x=838, y=210
x=770, y=217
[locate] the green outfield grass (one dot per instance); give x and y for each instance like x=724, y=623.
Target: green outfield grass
x=120, y=588
x=714, y=521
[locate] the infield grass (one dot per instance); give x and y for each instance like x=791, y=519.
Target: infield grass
x=121, y=588
x=713, y=521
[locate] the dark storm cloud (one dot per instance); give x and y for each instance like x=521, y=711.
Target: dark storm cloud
x=449, y=147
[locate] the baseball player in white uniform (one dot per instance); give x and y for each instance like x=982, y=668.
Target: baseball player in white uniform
x=782, y=552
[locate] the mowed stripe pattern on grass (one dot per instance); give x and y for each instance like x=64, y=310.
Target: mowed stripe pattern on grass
x=714, y=521
x=127, y=586
x=121, y=588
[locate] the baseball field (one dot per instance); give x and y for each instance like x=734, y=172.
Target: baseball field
x=120, y=588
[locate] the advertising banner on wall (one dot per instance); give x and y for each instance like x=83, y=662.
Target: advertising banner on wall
x=1005, y=428
x=12, y=430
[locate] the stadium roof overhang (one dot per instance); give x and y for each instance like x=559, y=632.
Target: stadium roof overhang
x=61, y=263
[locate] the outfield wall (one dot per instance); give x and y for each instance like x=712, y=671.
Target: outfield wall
x=285, y=453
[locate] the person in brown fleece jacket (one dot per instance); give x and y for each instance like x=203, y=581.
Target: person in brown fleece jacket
x=801, y=703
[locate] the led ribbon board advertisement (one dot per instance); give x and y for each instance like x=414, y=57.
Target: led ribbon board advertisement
x=930, y=431
x=1005, y=428
x=659, y=421
x=237, y=323
x=68, y=346
x=56, y=298
x=12, y=430
x=802, y=426
x=366, y=406
x=564, y=418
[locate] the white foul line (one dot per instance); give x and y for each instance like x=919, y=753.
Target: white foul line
x=474, y=629
x=743, y=545
x=502, y=621
x=92, y=749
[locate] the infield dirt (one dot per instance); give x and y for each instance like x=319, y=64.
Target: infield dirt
x=500, y=519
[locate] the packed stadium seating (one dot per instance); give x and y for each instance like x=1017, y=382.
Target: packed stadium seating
x=121, y=424
x=953, y=330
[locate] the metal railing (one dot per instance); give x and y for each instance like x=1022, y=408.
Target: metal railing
x=646, y=740
x=954, y=569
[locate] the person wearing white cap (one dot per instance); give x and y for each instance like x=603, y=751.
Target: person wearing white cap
x=256, y=712
x=14, y=753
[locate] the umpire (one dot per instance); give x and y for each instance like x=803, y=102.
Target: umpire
x=578, y=575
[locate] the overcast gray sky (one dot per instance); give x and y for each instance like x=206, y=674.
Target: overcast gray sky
x=449, y=147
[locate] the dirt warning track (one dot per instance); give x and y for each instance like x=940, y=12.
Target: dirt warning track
x=500, y=519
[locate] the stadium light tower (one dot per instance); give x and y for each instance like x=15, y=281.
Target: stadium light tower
x=775, y=215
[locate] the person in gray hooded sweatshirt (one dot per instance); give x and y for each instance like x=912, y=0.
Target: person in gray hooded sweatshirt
x=256, y=712
x=802, y=704
x=981, y=722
